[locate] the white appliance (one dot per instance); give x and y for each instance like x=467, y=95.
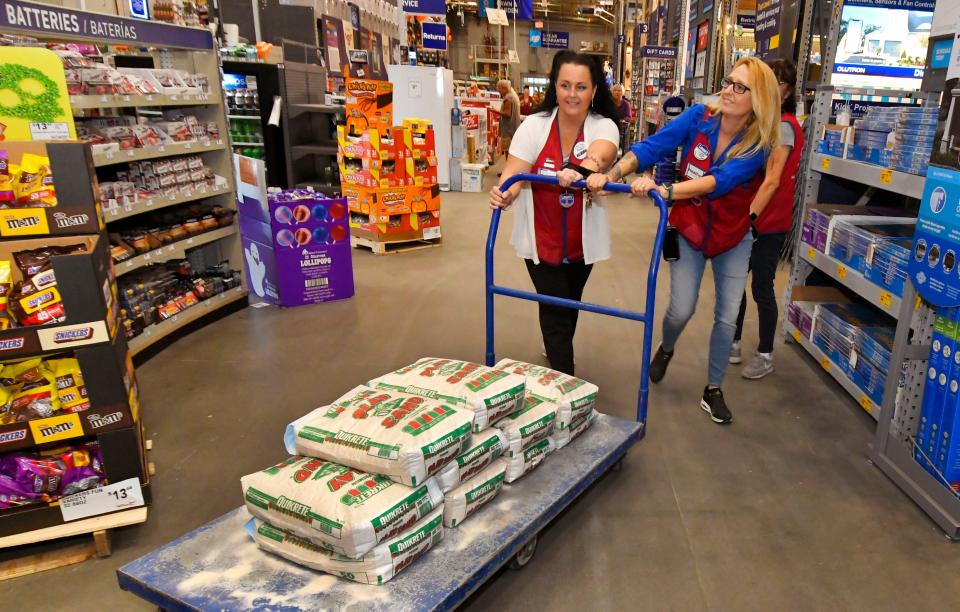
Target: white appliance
x=426, y=92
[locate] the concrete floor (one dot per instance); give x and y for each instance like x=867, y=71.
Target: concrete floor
x=778, y=511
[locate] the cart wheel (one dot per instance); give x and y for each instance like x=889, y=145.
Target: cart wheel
x=523, y=557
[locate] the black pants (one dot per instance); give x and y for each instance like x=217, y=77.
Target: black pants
x=763, y=265
x=559, y=324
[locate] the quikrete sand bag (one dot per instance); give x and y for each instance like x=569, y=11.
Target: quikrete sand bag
x=491, y=394
x=407, y=438
x=346, y=510
x=574, y=396
x=562, y=437
x=526, y=461
x=480, y=451
x=376, y=567
x=466, y=499
x=527, y=426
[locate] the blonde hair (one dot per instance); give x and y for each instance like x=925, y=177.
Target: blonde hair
x=762, y=131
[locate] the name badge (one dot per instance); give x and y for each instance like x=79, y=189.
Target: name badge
x=692, y=172
x=546, y=172
x=567, y=199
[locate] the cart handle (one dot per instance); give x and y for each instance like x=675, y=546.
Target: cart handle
x=645, y=317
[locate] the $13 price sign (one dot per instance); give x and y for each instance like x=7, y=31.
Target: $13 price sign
x=109, y=498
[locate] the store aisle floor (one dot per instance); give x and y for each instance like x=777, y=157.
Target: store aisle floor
x=781, y=510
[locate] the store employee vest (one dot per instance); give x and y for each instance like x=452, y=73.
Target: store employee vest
x=559, y=228
x=712, y=225
x=777, y=217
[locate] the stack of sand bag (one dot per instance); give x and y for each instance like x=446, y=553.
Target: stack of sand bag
x=376, y=475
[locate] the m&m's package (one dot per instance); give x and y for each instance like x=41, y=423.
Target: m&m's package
x=32, y=182
x=31, y=478
x=35, y=388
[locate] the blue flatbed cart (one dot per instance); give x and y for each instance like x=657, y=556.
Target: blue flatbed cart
x=219, y=567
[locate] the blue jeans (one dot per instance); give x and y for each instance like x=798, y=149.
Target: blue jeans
x=730, y=278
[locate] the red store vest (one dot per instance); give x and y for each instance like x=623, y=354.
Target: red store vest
x=559, y=230
x=712, y=225
x=777, y=217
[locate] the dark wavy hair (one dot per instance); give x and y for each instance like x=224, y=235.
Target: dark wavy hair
x=786, y=73
x=602, y=101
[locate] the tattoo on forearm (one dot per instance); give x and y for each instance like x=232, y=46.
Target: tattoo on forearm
x=627, y=164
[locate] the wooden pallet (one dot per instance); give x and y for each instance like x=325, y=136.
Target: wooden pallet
x=390, y=248
x=98, y=546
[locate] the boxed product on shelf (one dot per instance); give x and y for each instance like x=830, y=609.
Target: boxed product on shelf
x=42, y=193
x=415, y=226
x=372, y=172
x=855, y=239
x=112, y=134
x=801, y=310
x=369, y=104
x=171, y=225
x=371, y=143
x=888, y=266
x=821, y=219
x=420, y=157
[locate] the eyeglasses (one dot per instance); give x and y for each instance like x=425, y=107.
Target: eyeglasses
x=738, y=88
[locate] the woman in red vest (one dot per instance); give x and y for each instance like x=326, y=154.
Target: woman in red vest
x=724, y=149
x=772, y=215
x=558, y=231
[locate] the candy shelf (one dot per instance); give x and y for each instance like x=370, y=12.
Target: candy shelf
x=180, y=148
x=834, y=370
x=884, y=178
x=133, y=101
x=852, y=279
x=122, y=211
x=176, y=250
x=158, y=331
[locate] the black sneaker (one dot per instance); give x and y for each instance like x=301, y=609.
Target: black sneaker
x=658, y=365
x=712, y=402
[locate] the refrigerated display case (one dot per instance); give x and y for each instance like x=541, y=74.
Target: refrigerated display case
x=250, y=89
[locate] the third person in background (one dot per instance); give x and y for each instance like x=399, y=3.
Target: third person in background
x=623, y=109
x=724, y=150
x=771, y=215
x=509, y=113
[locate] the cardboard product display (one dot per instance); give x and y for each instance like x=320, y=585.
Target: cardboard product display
x=380, y=204
x=85, y=282
x=122, y=459
x=78, y=206
x=110, y=387
x=369, y=104
x=420, y=152
x=397, y=228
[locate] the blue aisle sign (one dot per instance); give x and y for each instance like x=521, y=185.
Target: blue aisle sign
x=139, y=9
x=941, y=53
x=434, y=36
x=556, y=40
x=660, y=52
x=536, y=38
x=904, y=72
x=518, y=9
x=425, y=7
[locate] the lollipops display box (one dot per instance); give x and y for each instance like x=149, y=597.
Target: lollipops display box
x=297, y=248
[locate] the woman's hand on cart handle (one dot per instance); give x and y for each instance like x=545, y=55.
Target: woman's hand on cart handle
x=567, y=176
x=596, y=182
x=642, y=185
x=501, y=199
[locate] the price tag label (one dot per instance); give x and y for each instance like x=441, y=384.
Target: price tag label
x=146, y=256
x=189, y=240
x=886, y=176
x=108, y=154
x=796, y=335
x=825, y=163
x=158, y=253
x=174, y=97
x=865, y=403
x=841, y=272
x=429, y=233
x=104, y=98
x=114, y=211
x=130, y=152
x=886, y=299
x=188, y=145
x=50, y=131
x=825, y=364
x=812, y=254
x=175, y=318
x=110, y=498
x=126, y=98
x=127, y=207
x=129, y=263
x=162, y=148
x=149, y=202
x=149, y=98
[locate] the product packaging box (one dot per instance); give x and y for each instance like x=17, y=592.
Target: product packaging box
x=369, y=104
x=379, y=204
x=397, y=228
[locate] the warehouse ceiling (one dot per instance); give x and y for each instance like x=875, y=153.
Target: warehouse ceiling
x=600, y=13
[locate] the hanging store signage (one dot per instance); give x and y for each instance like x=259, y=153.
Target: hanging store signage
x=941, y=53
x=518, y=9
x=139, y=9
x=536, y=39
x=73, y=24
x=747, y=21
x=767, y=28
x=706, y=5
x=556, y=40
x=425, y=7
x=434, y=36
x=660, y=52
x=904, y=5
x=694, y=6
